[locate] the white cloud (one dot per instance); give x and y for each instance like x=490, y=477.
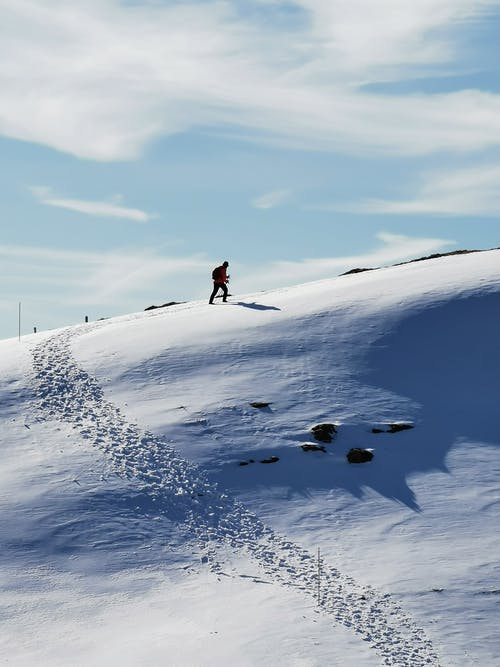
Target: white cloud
x=102, y=79
x=94, y=208
x=380, y=40
x=462, y=192
x=271, y=199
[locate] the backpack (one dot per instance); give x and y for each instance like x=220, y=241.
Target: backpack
x=216, y=273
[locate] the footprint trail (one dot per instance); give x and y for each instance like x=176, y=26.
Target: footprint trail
x=184, y=493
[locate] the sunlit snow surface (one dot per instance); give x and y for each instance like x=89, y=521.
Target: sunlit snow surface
x=130, y=534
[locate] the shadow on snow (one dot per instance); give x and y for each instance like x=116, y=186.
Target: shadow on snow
x=439, y=368
x=255, y=306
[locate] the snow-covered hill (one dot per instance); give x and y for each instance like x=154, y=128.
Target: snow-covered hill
x=140, y=525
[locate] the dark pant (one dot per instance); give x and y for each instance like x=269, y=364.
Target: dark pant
x=223, y=286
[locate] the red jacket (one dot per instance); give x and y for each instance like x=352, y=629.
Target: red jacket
x=219, y=274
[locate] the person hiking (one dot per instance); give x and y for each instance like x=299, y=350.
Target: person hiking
x=220, y=278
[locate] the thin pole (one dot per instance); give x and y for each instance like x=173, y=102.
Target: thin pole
x=19, y=318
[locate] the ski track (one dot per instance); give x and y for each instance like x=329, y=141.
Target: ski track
x=183, y=493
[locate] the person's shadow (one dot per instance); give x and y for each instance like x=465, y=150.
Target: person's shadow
x=256, y=306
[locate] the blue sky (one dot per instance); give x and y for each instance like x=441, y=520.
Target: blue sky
x=141, y=143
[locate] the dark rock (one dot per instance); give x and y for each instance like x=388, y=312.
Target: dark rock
x=260, y=404
x=437, y=255
x=309, y=447
x=245, y=463
x=164, y=305
x=353, y=271
x=395, y=428
x=358, y=455
x=271, y=459
x=324, y=432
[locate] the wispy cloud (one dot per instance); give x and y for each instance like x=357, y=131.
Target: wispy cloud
x=271, y=199
x=408, y=34
x=99, y=278
x=95, y=208
x=102, y=79
x=462, y=192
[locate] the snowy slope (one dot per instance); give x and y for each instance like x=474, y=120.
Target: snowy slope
x=131, y=533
